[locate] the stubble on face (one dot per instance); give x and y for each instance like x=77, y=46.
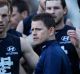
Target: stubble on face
x=55, y=8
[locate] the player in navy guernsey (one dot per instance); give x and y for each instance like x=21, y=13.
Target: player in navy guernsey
x=52, y=60
x=58, y=9
x=12, y=48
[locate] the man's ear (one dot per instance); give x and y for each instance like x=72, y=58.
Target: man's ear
x=65, y=10
x=24, y=14
x=51, y=31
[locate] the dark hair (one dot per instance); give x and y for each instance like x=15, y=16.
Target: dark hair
x=3, y=2
x=63, y=3
x=46, y=18
x=78, y=1
x=21, y=5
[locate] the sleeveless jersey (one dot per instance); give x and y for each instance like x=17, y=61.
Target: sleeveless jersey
x=68, y=48
x=27, y=25
x=14, y=32
x=10, y=54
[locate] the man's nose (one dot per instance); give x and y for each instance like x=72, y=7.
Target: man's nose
x=34, y=33
x=52, y=11
x=0, y=18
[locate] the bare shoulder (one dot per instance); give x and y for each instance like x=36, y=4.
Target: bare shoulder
x=20, y=27
x=30, y=56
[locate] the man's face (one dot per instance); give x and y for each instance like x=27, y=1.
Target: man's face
x=39, y=32
x=55, y=8
x=4, y=18
x=15, y=18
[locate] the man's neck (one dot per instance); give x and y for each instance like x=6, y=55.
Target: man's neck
x=3, y=35
x=52, y=37
x=60, y=25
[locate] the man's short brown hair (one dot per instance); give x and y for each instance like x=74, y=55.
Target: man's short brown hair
x=6, y=2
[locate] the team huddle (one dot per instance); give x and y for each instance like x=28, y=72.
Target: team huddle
x=39, y=43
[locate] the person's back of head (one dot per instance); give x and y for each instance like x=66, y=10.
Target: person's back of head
x=21, y=6
x=20, y=11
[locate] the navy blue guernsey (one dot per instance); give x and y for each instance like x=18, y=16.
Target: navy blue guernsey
x=10, y=54
x=52, y=60
x=14, y=32
x=27, y=25
x=69, y=49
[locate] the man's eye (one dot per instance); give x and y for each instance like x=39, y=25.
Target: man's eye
x=32, y=29
x=13, y=15
x=56, y=7
x=49, y=8
x=38, y=29
x=4, y=15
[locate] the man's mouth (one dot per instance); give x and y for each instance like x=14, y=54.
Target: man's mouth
x=1, y=28
x=35, y=38
x=54, y=16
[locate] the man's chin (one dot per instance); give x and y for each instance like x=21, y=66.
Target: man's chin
x=1, y=32
x=36, y=43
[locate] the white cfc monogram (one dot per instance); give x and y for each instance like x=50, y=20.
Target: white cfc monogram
x=5, y=64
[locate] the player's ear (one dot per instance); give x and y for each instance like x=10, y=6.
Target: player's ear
x=51, y=31
x=65, y=10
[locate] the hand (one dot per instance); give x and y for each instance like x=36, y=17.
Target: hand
x=73, y=37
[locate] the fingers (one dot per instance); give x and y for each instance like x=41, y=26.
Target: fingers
x=72, y=33
x=73, y=37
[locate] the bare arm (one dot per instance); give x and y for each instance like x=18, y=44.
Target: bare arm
x=30, y=56
x=20, y=27
x=21, y=71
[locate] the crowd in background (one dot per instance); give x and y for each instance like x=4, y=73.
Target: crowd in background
x=31, y=19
